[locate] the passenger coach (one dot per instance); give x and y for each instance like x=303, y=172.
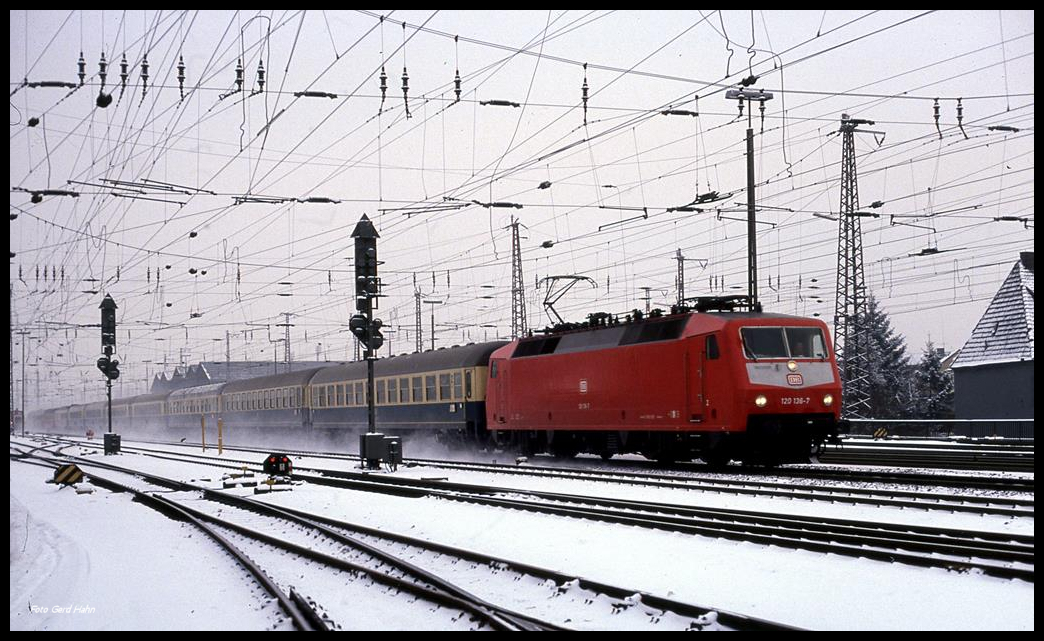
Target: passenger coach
x=441, y=391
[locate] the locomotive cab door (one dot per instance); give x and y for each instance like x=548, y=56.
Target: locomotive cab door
x=498, y=382
x=694, y=380
x=711, y=375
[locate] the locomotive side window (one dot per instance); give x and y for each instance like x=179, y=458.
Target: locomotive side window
x=712, y=347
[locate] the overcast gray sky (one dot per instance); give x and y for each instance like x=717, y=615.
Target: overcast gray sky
x=243, y=160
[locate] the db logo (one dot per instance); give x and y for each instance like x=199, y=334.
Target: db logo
x=583, y=385
x=795, y=379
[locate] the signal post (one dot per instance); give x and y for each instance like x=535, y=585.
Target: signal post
x=373, y=447
x=108, y=365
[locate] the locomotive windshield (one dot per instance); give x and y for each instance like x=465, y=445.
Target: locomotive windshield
x=783, y=342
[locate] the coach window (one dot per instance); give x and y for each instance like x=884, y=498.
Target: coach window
x=340, y=395
x=360, y=397
x=380, y=392
x=417, y=389
x=429, y=388
x=458, y=386
x=444, y=387
x=393, y=391
x=404, y=390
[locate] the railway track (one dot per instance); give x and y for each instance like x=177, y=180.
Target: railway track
x=928, y=499
x=302, y=612
x=254, y=519
x=1002, y=555
x=798, y=490
x=1008, y=458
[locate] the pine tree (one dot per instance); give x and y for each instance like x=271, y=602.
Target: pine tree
x=933, y=386
x=891, y=381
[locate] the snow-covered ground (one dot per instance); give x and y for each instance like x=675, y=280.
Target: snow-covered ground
x=102, y=562
x=137, y=569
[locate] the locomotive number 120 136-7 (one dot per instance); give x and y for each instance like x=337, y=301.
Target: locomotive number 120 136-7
x=795, y=400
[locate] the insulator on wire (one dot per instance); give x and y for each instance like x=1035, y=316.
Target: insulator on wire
x=584, y=93
x=937, y=118
x=260, y=77
x=456, y=78
x=762, y=107
x=181, y=75
x=102, y=65
x=239, y=75
x=144, y=75
x=123, y=75
x=82, y=64
x=384, y=88
x=406, y=92
x=960, y=118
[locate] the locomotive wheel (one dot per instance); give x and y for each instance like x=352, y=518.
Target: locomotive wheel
x=717, y=458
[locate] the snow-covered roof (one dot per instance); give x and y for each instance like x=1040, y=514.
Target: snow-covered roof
x=1004, y=334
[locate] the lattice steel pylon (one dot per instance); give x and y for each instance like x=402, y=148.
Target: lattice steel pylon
x=851, y=333
x=518, y=292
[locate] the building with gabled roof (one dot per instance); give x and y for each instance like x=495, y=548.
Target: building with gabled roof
x=993, y=375
x=211, y=372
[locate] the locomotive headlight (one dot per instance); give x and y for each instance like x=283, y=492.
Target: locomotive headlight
x=792, y=366
x=761, y=401
x=828, y=400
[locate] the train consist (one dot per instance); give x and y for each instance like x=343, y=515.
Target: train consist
x=718, y=385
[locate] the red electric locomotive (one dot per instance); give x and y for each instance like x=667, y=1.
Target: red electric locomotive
x=718, y=385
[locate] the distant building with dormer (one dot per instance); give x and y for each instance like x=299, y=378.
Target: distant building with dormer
x=211, y=372
x=993, y=373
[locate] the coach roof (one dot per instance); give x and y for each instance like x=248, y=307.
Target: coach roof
x=473, y=355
